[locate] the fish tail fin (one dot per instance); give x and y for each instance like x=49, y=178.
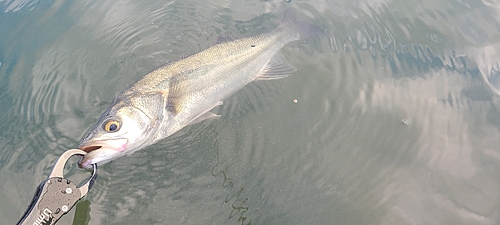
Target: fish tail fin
x=298, y=29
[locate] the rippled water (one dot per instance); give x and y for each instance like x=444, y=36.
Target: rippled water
x=396, y=119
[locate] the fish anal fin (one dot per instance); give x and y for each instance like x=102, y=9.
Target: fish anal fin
x=276, y=68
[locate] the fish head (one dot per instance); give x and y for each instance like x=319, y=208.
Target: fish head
x=121, y=130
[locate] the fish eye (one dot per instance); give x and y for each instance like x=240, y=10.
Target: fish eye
x=111, y=126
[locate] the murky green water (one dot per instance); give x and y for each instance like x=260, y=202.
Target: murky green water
x=396, y=119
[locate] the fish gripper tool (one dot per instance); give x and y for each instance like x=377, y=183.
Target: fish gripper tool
x=55, y=196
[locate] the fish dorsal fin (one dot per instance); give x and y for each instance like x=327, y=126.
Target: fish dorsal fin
x=276, y=68
x=223, y=39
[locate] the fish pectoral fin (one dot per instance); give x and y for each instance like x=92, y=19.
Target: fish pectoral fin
x=204, y=116
x=170, y=106
x=174, y=104
x=276, y=68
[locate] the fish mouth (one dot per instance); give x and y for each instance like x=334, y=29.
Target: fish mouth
x=101, y=152
x=90, y=148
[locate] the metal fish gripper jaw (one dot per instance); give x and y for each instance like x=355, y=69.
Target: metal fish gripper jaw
x=56, y=196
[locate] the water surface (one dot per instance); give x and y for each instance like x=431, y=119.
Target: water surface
x=391, y=118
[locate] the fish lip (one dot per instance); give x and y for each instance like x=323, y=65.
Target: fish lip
x=84, y=163
x=99, y=155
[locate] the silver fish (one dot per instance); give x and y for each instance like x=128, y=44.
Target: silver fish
x=183, y=93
